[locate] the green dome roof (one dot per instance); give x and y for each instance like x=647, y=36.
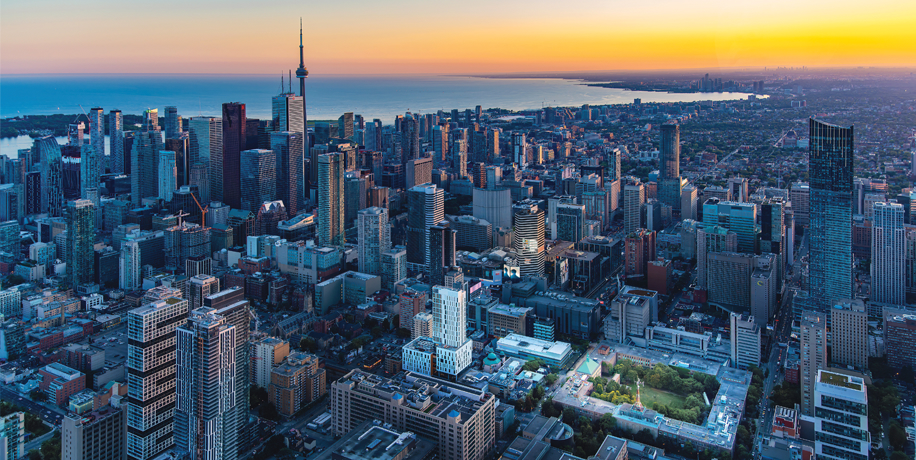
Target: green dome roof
x=491, y=359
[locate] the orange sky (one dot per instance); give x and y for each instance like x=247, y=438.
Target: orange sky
x=414, y=36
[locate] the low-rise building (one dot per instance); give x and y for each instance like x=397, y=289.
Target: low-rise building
x=557, y=354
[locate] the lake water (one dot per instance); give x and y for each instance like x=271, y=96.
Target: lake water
x=328, y=96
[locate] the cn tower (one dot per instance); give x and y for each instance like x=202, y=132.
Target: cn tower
x=302, y=74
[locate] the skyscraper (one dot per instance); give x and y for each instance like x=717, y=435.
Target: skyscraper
x=425, y=208
x=206, y=149
x=813, y=355
x=258, y=178
x=528, y=238
x=129, y=266
x=410, y=139
x=570, y=222
x=888, y=254
x=331, y=204
x=234, y=139
x=830, y=169
x=669, y=175
x=634, y=197
x=345, y=126
x=116, y=136
x=151, y=398
x=168, y=174
x=205, y=389
x=286, y=111
x=144, y=180
x=841, y=416
x=80, y=240
x=172, y=122
x=288, y=150
x=52, y=187
x=849, y=334
x=519, y=149
x=374, y=239
x=740, y=218
x=97, y=140
x=441, y=251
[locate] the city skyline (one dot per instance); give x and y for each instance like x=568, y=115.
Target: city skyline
x=587, y=36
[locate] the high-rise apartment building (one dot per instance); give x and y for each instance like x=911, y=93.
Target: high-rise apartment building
x=97, y=140
x=266, y=353
x=410, y=139
x=144, y=165
x=47, y=150
x=639, y=251
x=296, y=383
x=849, y=334
x=689, y=202
x=234, y=142
x=205, y=389
x=830, y=169
x=841, y=417
x=634, y=197
x=168, y=174
x=799, y=196
x=200, y=287
x=442, y=240
x=712, y=239
x=116, y=141
x=331, y=200
x=528, y=237
x=12, y=435
x=130, y=277
x=899, y=336
x=888, y=254
x=80, y=251
x=411, y=303
x=288, y=149
x=419, y=171
x=669, y=172
x=151, y=396
x=425, y=208
x=394, y=267
x=97, y=435
x=813, y=345
x=773, y=233
x=463, y=423
x=258, y=178
x=570, y=222
x=374, y=239
x=519, y=149
x=745, y=341
x=447, y=352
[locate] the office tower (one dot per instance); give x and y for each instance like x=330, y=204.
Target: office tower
x=302, y=74
x=234, y=141
x=799, y=196
x=151, y=398
x=841, y=416
x=394, y=267
x=168, y=175
x=899, y=336
x=419, y=172
x=493, y=206
x=206, y=373
x=553, y=204
x=80, y=241
x=528, y=237
x=205, y=146
x=12, y=435
x=849, y=334
x=740, y=218
x=345, y=126
x=258, y=176
x=773, y=233
x=266, y=353
x=745, y=341
x=181, y=147
x=286, y=111
x=813, y=356
x=710, y=240
x=519, y=149
x=634, y=197
x=830, y=169
x=355, y=192
x=374, y=239
x=441, y=252
x=888, y=254
x=737, y=187
x=296, y=383
x=116, y=141
x=288, y=150
x=425, y=208
x=200, y=287
x=129, y=266
x=410, y=139
x=97, y=141
x=48, y=151
x=689, y=202
x=144, y=182
x=97, y=435
x=331, y=204
x=669, y=175
x=638, y=252
x=570, y=222
x=172, y=122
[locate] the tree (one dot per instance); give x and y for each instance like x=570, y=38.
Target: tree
x=533, y=365
x=551, y=379
x=51, y=449
x=308, y=344
x=896, y=436
x=38, y=395
x=403, y=333
x=269, y=412
x=257, y=396
x=34, y=454
x=897, y=455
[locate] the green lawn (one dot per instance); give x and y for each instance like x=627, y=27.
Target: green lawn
x=651, y=395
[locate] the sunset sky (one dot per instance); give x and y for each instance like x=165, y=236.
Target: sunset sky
x=414, y=36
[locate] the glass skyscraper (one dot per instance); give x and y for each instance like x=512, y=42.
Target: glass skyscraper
x=258, y=178
x=288, y=148
x=234, y=139
x=830, y=168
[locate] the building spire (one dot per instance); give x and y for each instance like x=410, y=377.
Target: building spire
x=301, y=56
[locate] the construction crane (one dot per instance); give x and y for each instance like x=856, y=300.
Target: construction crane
x=203, y=211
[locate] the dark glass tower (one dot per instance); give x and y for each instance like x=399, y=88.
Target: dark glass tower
x=830, y=168
x=669, y=175
x=234, y=139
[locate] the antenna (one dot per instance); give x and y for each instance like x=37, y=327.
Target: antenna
x=290, y=80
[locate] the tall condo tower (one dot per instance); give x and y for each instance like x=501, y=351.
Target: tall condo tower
x=97, y=139
x=888, y=253
x=830, y=169
x=669, y=176
x=234, y=138
x=116, y=135
x=331, y=206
